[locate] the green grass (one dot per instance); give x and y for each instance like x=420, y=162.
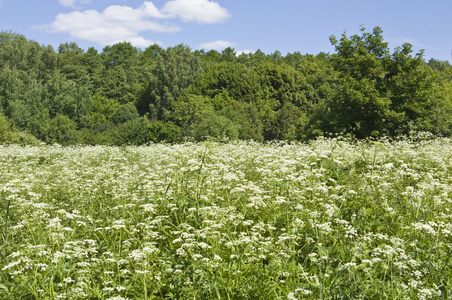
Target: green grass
x=330, y=219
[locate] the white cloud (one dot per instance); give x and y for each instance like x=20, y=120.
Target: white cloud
x=115, y=24
x=201, y=11
x=240, y=52
x=216, y=45
x=73, y=3
x=119, y=23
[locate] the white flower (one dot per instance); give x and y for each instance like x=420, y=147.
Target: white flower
x=149, y=207
x=204, y=245
x=68, y=280
x=304, y=292
x=181, y=252
x=196, y=256
x=118, y=224
x=11, y=265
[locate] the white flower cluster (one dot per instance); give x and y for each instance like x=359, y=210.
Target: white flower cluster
x=239, y=220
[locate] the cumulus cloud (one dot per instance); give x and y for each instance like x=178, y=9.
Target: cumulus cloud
x=201, y=11
x=119, y=23
x=115, y=24
x=216, y=45
x=240, y=52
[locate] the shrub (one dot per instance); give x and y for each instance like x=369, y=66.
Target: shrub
x=4, y=129
x=217, y=128
x=142, y=131
x=124, y=113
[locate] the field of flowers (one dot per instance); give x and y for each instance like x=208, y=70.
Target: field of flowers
x=331, y=219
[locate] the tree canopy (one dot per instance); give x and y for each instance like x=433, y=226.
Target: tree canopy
x=126, y=95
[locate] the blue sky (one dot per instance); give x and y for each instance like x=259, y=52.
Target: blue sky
x=245, y=25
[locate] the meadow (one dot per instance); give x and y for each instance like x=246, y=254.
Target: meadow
x=329, y=219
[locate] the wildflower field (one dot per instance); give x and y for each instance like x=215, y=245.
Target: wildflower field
x=331, y=219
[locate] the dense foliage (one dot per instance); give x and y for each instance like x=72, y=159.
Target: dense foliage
x=328, y=219
x=127, y=95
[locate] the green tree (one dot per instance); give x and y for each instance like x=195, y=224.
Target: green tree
x=191, y=109
x=11, y=89
x=70, y=63
x=293, y=59
x=223, y=100
x=33, y=114
x=288, y=118
x=258, y=93
x=440, y=65
x=177, y=68
x=166, y=132
x=256, y=58
x=246, y=119
x=142, y=131
x=268, y=87
x=228, y=54
x=377, y=93
x=49, y=60
x=125, y=113
x=216, y=127
x=5, y=134
x=102, y=109
x=59, y=127
x=439, y=121
x=410, y=86
x=283, y=83
x=320, y=79
x=17, y=53
x=65, y=97
x=209, y=57
x=149, y=56
x=92, y=62
x=219, y=78
x=148, y=63
x=265, y=87
x=120, y=79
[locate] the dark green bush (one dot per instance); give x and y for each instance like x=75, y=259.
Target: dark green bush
x=124, y=113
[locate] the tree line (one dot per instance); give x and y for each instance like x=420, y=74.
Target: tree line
x=125, y=95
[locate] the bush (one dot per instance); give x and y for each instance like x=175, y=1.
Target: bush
x=166, y=132
x=24, y=138
x=59, y=127
x=217, y=128
x=124, y=113
x=245, y=117
x=4, y=129
x=142, y=131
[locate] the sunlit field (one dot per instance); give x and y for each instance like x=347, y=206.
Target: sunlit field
x=332, y=219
